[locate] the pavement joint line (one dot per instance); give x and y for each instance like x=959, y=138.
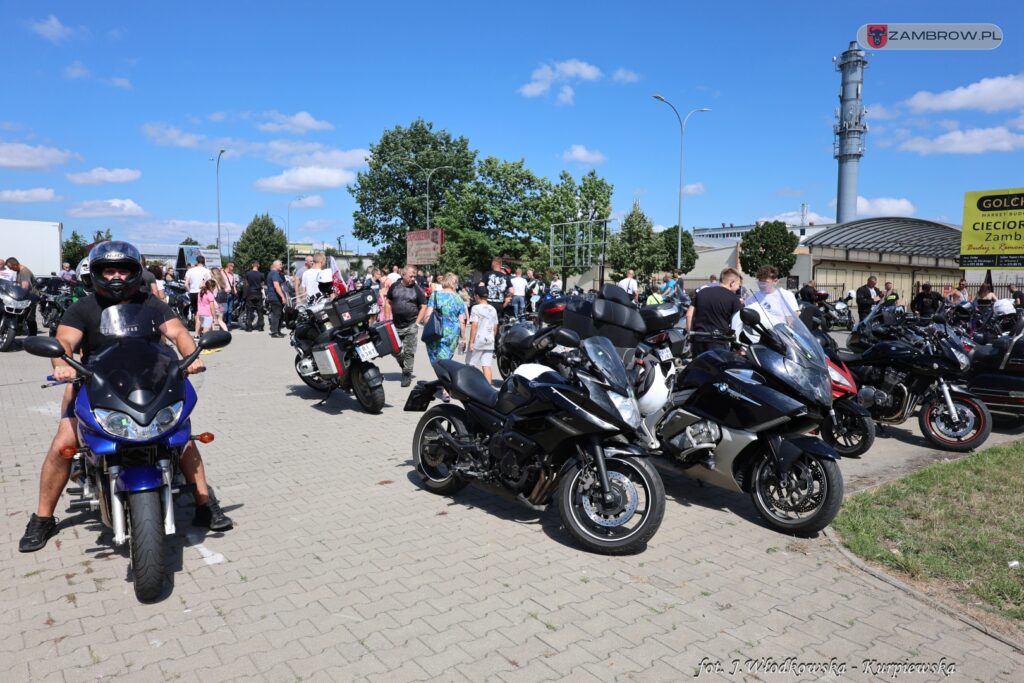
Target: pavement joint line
x=830, y=534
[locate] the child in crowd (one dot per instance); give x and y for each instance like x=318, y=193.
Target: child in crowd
x=483, y=330
x=207, y=302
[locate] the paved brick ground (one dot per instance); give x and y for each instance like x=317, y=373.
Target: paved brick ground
x=341, y=568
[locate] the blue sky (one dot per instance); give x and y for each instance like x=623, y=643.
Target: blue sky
x=111, y=111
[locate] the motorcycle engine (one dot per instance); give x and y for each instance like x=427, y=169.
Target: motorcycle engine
x=513, y=452
x=306, y=367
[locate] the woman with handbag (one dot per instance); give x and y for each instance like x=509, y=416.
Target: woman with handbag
x=445, y=327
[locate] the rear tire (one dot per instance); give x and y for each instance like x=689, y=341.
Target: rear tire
x=370, y=398
x=932, y=419
x=146, y=540
x=436, y=463
x=586, y=522
x=813, y=481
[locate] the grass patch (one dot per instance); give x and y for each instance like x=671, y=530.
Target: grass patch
x=960, y=522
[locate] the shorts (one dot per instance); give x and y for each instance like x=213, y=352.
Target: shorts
x=206, y=321
x=480, y=358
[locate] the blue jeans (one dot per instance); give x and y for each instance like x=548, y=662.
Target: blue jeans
x=518, y=305
x=228, y=307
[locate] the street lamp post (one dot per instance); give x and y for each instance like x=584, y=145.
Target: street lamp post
x=679, y=211
x=219, y=155
x=288, y=237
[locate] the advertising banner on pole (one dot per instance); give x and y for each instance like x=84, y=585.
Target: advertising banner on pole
x=423, y=247
x=993, y=230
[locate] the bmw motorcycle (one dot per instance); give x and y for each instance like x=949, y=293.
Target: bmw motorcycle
x=336, y=344
x=55, y=297
x=551, y=438
x=132, y=407
x=179, y=301
x=17, y=306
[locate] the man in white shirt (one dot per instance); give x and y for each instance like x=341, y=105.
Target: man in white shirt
x=518, y=293
x=297, y=279
x=309, y=284
x=775, y=305
x=394, y=275
x=630, y=285
x=195, y=278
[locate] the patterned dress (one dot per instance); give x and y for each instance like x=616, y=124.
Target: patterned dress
x=449, y=306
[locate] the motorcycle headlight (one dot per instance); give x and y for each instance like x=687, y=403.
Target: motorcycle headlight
x=840, y=306
x=17, y=305
x=838, y=378
x=627, y=407
x=123, y=426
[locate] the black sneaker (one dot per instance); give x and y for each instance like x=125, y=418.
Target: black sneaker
x=406, y=379
x=37, y=533
x=212, y=517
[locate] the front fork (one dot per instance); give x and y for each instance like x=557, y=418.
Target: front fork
x=597, y=453
x=117, y=510
x=953, y=414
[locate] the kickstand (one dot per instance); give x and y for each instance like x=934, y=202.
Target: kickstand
x=881, y=428
x=325, y=398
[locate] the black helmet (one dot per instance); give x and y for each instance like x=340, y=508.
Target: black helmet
x=115, y=254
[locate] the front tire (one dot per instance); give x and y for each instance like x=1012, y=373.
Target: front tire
x=809, y=500
x=370, y=398
x=973, y=429
x=8, y=331
x=852, y=436
x=146, y=540
x=434, y=459
x=632, y=521
x=506, y=365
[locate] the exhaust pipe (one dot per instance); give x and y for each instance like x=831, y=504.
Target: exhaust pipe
x=168, y=497
x=116, y=507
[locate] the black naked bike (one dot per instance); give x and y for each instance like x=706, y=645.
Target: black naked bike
x=551, y=438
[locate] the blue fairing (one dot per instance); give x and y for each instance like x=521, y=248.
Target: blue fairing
x=135, y=479
x=101, y=443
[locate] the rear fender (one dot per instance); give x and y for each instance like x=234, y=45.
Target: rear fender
x=421, y=396
x=371, y=375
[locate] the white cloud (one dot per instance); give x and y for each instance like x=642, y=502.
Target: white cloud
x=658, y=227
x=306, y=178
x=582, y=155
x=38, y=194
x=301, y=122
x=51, y=29
x=19, y=155
x=76, y=70
x=793, y=218
x=566, y=94
x=625, y=76
x=217, y=116
x=884, y=206
x=544, y=76
x=173, y=230
x=10, y=125
x=318, y=224
x=988, y=94
x=313, y=201
x=102, y=208
x=694, y=189
x=169, y=136
x=971, y=141
x=1016, y=123
x=879, y=112
x=122, y=83
x=320, y=155
x=100, y=175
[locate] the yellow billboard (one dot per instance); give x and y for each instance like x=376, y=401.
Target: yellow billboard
x=993, y=232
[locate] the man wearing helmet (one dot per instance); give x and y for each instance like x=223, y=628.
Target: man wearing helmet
x=116, y=273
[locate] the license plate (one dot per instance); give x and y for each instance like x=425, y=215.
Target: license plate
x=664, y=354
x=367, y=352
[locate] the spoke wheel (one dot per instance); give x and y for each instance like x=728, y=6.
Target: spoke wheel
x=434, y=457
x=969, y=431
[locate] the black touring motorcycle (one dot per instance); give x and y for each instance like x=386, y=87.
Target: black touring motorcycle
x=551, y=437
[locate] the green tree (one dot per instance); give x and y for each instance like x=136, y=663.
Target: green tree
x=188, y=241
x=73, y=249
x=770, y=243
x=636, y=246
x=669, y=237
x=391, y=194
x=261, y=241
x=584, y=205
x=102, y=236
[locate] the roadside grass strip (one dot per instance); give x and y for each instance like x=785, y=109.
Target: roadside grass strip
x=959, y=523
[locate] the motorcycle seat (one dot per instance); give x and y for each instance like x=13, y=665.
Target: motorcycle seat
x=987, y=356
x=467, y=381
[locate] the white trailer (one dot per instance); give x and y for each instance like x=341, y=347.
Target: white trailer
x=36, y=244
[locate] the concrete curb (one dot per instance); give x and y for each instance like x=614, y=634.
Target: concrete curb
x=830, y=534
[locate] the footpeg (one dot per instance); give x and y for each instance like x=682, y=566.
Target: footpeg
x=74, y=490
x=83, y=505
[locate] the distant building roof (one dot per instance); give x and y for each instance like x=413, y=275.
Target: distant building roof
x=713, y=242
x=895, y=234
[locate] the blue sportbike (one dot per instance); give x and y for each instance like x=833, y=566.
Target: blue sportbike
x=132, y=403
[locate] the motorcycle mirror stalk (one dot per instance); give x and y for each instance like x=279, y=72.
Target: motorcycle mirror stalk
x=49, y=347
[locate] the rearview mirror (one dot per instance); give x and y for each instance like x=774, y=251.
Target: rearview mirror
x=750, y=317
x=566, y=337
x=47, y=347
x=215, y=339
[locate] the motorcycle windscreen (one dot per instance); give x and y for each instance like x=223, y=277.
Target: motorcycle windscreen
x=606, y=359
x=134, y=365
x=802, y=363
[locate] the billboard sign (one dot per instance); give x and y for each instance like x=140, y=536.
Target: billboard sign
x=993, y=230
x=882, y=37
x=423, y=247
